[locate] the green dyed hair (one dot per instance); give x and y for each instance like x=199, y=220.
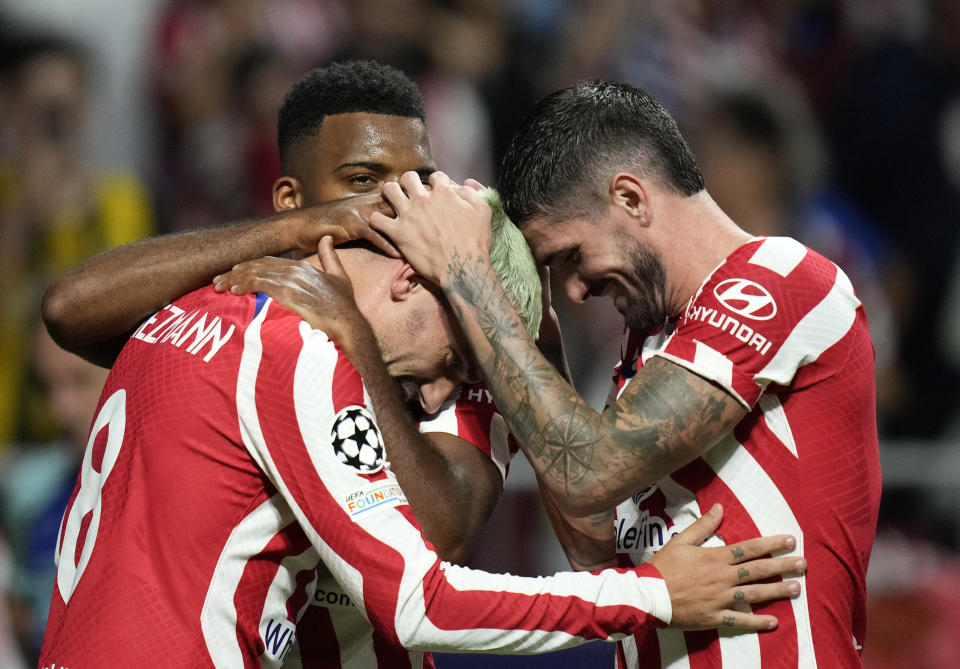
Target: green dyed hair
x=514, y=265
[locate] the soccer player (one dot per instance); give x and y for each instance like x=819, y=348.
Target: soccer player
x=343, y=131
x=747, y=375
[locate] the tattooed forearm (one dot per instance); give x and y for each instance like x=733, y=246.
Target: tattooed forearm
x=556, y=426
x=665, y=418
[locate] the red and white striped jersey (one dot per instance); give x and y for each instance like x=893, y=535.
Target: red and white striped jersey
x=233, y=452
x=779, y=327
x=335, y=633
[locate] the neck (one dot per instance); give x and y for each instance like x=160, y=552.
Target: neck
x=701, y=239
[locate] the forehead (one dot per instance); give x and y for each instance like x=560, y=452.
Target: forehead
x=547, y=238
x=377, y=138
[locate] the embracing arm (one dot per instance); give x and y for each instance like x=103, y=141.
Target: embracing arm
x=590, y=461
x=92, y=309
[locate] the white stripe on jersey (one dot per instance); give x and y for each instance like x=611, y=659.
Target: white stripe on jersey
x=739, y=650
x=578, y=584
x=275, y=603
x=499, y=443
x=673, y=650
x=771, y=514
x=355, y=638
x=776, y=420
x=822, y=327
x=218, y=618
x=779, y=254
x=246, y=383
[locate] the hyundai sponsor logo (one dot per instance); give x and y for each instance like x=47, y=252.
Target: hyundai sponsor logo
x=746, y=298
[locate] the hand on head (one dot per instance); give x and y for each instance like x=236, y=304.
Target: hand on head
x=436, y=227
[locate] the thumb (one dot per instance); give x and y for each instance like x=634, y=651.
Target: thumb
x=703, y=528
x=329, y=260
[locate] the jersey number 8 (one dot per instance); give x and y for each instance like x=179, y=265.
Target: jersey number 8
x=70, y=566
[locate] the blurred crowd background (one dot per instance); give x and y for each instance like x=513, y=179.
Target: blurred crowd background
x=833, y=121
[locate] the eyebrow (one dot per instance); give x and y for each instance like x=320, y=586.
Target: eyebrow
x=381, y=167
x=548, y=259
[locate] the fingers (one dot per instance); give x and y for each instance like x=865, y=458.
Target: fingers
x=329, y=260
x=384, y=224
x=241, y=273
x=731, y=619
x=471, y=195
x=754, y=548
x=381, y=243
x=393, y=193
x=765, y=592
x=757, y=570
x=437, y=180
x=702, y=529
x=474, y=184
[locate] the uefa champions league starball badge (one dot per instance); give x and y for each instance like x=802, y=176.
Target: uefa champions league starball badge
x=357, y=441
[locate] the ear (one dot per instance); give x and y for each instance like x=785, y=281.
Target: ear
x=287, y=194
x=404, y=283
x=629, y=193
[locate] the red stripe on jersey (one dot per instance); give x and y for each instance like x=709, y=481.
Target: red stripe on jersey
x=389, y=654
x=621, y=662
x=319, y=647
x=738, y=526
x=258, y=575
x=347, y=384
x=702, y=651
x=299, y=599
x=474, y=414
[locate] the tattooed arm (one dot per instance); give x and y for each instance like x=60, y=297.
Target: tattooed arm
x=589, y=461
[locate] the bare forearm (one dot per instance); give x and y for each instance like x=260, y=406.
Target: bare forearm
x=108, y=295
x=589, y=461
x=587, y=541
x=429, y=467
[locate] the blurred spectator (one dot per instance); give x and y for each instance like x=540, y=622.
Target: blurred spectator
x=221, y=69
x=447, y=53
x=36, y=482
x=913, y=611
x=886, y=127
x=764, y=161
x=53, y=211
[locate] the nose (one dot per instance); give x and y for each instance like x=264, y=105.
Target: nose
x=435, y=393
x=578, y=288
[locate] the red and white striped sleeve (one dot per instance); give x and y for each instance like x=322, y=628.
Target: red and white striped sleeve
x=472, y=416
x=305, y=419
x=772, y=307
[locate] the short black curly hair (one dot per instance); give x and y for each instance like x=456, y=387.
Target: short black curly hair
x=344, y=88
